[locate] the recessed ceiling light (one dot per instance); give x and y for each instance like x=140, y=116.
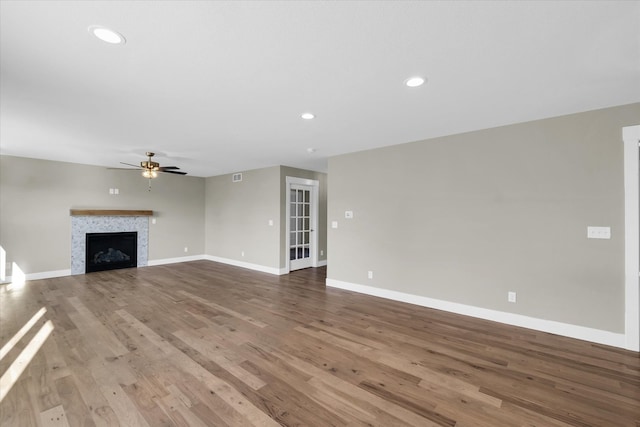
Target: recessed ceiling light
x=414, y=81
x=307, y=116
x=311, y=150
x=107, y=35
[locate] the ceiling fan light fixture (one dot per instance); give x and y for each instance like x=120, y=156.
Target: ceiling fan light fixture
x=107, y=35
x=147, y=173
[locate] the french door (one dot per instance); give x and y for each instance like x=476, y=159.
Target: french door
x=302, y=223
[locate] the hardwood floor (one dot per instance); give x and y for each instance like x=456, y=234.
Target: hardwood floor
x=205, y=344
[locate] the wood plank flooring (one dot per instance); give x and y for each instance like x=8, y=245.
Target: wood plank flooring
x=205, y=344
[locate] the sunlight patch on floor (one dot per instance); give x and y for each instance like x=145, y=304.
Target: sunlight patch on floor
x=21, y=333
x=12, y=374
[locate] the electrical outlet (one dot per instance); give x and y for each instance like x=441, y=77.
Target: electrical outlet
x=348, y=214
x=116, y=191
x=111, y=190
x=511, y=296
x=186, y=249
x=370, y=274
x=334, y=224
x=153, y=220
x=321, y=252
x=242, y=253
x=270, y=223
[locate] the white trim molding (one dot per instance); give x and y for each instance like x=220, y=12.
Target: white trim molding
x=39, y=276
x=248, y=265
x=164, y=261
x=558, y=328
x=175, y=260
x=62, y=273
x=48, y=274
x=631, y=139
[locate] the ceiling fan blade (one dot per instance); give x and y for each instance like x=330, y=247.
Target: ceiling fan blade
x=162, y=168
x=175, y=172
x=123, y=169
x=129, y=164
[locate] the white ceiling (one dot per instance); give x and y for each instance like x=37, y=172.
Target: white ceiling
x=216, y=87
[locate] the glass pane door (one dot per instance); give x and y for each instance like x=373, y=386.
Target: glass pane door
x=300, y=226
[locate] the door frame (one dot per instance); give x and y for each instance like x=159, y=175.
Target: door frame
x=631, y=140
x=313, y=241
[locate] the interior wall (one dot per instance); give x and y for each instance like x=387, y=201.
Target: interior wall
x=36, y=195
x=238, y=215
x=468, y=218
x=212, y=216
x=322, y=210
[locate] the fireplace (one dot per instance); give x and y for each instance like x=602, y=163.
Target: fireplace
x=110, y=251
x=85, y=221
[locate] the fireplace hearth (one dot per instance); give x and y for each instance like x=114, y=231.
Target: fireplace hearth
x=110, y=251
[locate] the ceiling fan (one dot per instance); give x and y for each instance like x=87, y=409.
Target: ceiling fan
x=150, y=168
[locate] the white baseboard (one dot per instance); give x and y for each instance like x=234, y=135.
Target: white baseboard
x=248, y=265
x=48, y=274
x=321, y=263
x=150, y=263
x=62, y=273
x=164, y=261
x=558, y=328
x=42, y=275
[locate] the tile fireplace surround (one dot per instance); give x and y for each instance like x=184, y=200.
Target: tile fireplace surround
x=107, y=221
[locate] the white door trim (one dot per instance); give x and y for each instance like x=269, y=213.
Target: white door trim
x=631, y=139
x=314, y=218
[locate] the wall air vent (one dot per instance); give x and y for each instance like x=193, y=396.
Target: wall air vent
x=237, y=177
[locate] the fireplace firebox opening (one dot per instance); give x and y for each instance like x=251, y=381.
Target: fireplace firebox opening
x=110, y=251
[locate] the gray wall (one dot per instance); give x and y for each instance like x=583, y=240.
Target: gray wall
x=36, y=195
x=469, y=217
x=238, y=214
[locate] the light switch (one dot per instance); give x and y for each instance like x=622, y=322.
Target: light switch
x=599, y=232
x=334, y=224
x=270, y=223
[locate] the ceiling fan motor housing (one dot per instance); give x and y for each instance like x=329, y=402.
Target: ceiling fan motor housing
x=150, y=165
